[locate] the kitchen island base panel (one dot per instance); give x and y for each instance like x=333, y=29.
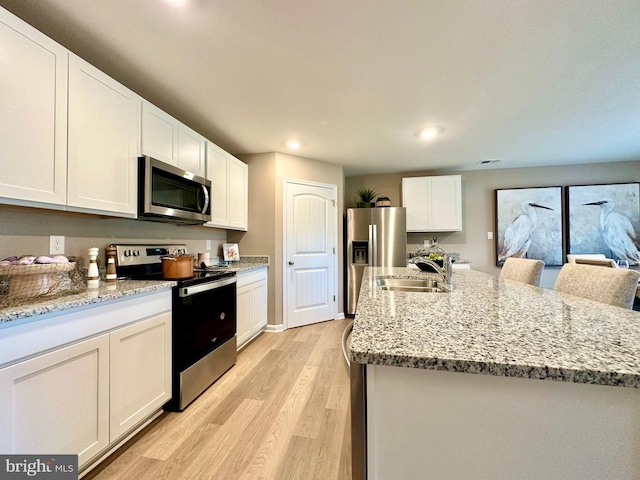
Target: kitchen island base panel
x=457, y=425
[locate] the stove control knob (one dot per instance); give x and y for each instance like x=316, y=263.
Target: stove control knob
x=136, y=253
x=127, y=253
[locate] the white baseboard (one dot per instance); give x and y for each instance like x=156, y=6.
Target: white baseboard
x=274, y=328
x=339, y=316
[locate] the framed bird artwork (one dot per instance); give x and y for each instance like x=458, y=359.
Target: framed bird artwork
x=529, y=224
x=605, y=219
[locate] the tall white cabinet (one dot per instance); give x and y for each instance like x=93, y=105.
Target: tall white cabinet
x=33, y=117
x=434, y=204
x=229, y=189
x=104, y=126
x=168, y=140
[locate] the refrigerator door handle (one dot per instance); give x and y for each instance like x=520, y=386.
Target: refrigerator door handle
x=374, y=249
x=370, y=247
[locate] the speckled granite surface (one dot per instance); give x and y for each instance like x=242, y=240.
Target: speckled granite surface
x=122, y=288
x=249, y=262
x=492, y=326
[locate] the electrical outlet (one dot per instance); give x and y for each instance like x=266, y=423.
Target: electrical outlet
x=56, y=245
x=208, y=244
x=489, y=235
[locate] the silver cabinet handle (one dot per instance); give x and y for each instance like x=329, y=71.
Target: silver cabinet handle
x=291, y=263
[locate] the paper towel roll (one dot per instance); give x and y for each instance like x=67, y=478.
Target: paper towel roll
x=203, y=258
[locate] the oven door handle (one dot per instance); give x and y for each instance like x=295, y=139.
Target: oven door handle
x=205, y=287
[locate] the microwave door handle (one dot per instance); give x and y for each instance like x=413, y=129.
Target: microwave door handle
x=206, y=199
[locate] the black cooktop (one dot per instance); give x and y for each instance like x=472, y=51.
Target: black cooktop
x=144, y=262
x=199, y=276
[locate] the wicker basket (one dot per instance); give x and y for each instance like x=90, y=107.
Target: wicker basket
x=37, y=279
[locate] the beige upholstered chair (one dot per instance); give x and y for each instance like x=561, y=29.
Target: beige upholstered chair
x=523, y=270
x=615, y=286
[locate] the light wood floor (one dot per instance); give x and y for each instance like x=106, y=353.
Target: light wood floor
x=282, y=412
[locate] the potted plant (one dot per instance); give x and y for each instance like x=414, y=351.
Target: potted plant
x=366, y=196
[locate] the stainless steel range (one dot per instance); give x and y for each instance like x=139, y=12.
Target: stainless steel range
x=203, y=319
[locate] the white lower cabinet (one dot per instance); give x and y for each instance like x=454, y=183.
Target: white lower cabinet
x=140, y=372
x=252, y=304
x=87, y=394
x=58, y=402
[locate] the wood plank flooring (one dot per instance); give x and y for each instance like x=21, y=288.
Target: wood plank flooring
x=282, y=412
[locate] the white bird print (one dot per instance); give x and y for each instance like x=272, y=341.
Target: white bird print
x=517, y=237
x=617, y=232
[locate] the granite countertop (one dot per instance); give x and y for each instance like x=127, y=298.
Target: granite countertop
x=105, y=293
x=487, y=325
x=123, y=288
x=248, y=263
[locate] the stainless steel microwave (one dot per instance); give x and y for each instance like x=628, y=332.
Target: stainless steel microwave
x=170, y=194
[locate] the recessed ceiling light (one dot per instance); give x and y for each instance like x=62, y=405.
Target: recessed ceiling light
x=177, y=3
x=293, y=144
x=429, y=133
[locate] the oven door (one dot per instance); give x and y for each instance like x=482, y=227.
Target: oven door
x=204, y=317
x=172, y=194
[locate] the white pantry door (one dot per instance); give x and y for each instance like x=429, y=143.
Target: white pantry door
x=309, y=252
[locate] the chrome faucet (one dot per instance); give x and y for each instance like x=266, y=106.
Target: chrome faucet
x=445, y=271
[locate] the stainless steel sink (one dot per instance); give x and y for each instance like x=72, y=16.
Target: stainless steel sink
x=429, y=285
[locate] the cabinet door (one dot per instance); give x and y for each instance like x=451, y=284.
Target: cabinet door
x=416, y=196
x=258, y=306
x=191, y=150
x=104, y=132
x=159, y=134
x=446, y=203
x=218, y=173
x=238, y=194
x=434, y=204
x=243, y=314
x=33, y=117
x=57, y=402
x=140, y=375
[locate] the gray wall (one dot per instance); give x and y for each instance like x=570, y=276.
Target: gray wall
x=478, y=202
x=25, y=231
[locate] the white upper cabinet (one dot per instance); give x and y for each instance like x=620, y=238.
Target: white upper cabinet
x=229, y=189
x=191, y=150
x=434, y=204
x=104, y=132
x=159, y=134
x=33, y=117
x=166, y=139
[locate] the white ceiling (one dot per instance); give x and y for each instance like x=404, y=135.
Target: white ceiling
x=531, y=82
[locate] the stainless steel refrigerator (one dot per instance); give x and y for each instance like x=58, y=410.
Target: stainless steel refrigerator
x=376, y=237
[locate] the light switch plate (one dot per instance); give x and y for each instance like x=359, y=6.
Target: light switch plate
x=208, y=244
x=489, y=235
x=56, y=245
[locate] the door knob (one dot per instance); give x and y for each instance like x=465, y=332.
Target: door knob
x=290, y=262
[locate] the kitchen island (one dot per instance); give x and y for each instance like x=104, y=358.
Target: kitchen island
x=454, y=381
